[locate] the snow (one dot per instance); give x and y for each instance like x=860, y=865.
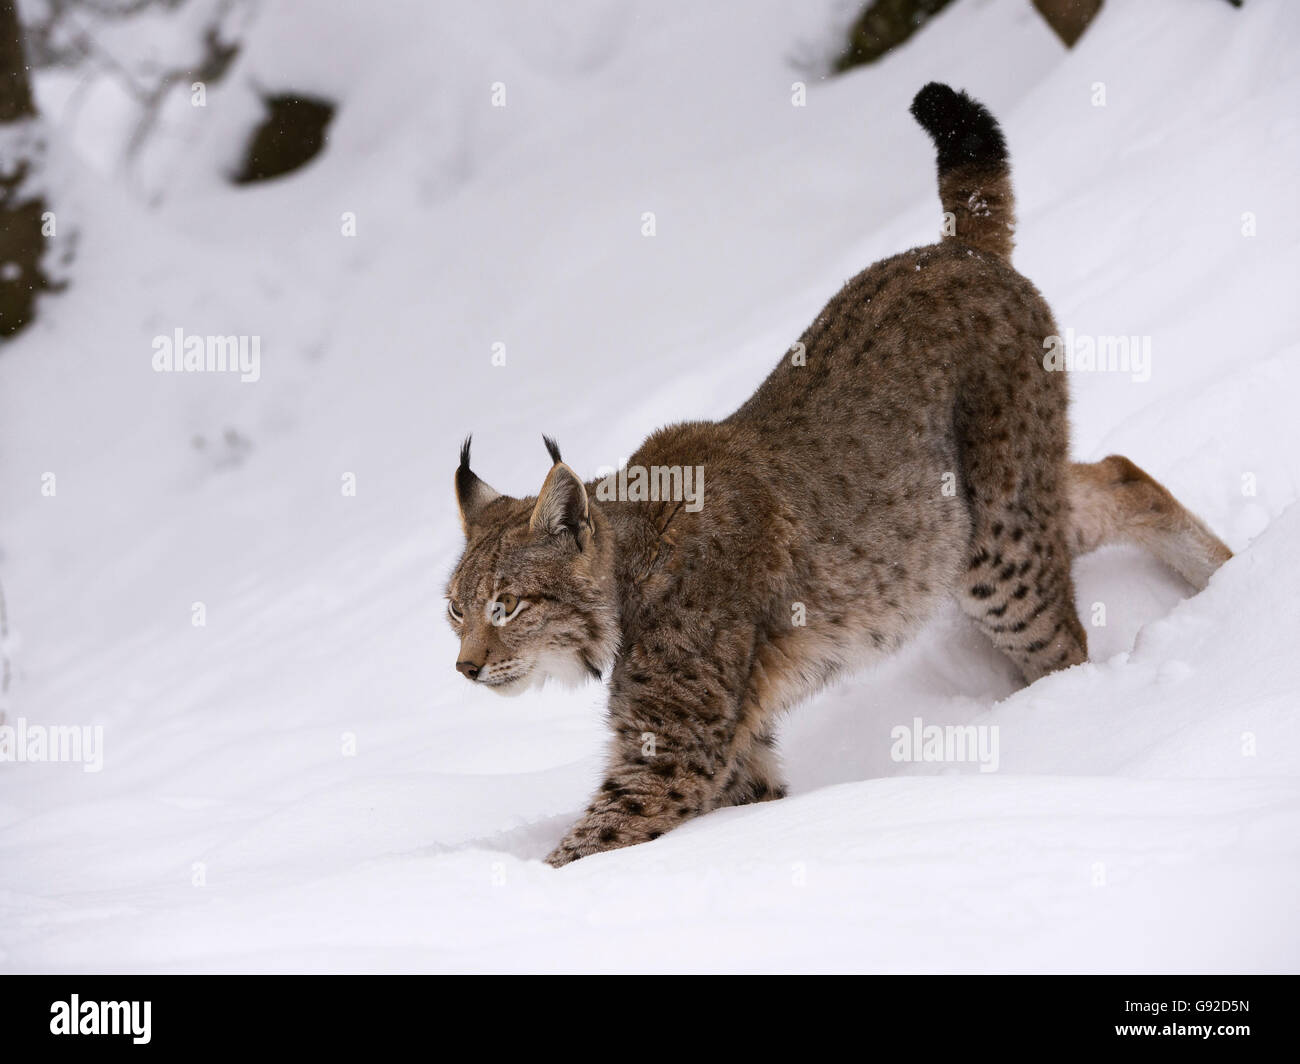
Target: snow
x=1145, y=814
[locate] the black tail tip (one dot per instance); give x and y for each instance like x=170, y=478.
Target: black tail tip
x=962, y=129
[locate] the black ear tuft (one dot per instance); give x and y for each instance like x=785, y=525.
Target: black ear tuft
x=552, y=448
x=471, y=492
x=464, y=478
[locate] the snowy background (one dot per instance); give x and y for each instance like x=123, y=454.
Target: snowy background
x=1146, y=814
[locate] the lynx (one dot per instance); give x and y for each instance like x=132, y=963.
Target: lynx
x=917, y=450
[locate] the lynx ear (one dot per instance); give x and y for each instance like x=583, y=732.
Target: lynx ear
x=472, y=494
x=562, y=506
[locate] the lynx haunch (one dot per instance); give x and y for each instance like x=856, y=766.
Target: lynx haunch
x=825, y=489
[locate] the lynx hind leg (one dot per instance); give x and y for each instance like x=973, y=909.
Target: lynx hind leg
x=1019, y=590
x=1017, y=586
x=1114, y=501
x=756, y=776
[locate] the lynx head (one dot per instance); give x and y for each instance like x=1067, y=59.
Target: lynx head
x=533, y=594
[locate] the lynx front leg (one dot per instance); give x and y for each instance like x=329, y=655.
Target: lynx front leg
x=680, y=731
x=668, y=763
x=651, y=788
x=755, y=777
x=642, y=797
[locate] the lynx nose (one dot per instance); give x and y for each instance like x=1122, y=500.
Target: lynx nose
x=468, y=669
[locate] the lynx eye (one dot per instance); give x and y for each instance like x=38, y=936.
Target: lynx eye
x=454, y=613
x=505, y=608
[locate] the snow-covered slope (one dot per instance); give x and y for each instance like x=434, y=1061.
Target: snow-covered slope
x=305, y=783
